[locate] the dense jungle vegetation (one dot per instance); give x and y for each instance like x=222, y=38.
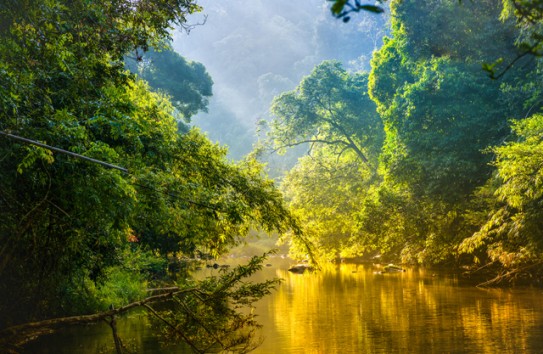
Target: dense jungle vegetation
x=434, y=157
x=77, y=237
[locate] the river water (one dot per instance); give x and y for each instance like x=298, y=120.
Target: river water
x=352, y=308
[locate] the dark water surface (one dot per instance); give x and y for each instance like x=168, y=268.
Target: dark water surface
x=351, y=308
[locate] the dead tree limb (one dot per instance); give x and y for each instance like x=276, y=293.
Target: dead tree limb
x=12, y=338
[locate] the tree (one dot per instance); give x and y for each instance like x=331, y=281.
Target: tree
x=187, y=83
x=330, y=107
x=457, y=182
x=439, y=109
x=439, y=127
x=325, y=193
x=440, y=113
x=330, y=110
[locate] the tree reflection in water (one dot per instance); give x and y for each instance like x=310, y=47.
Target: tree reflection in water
x=352, y=308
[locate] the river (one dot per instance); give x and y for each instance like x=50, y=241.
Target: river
x=352, y=308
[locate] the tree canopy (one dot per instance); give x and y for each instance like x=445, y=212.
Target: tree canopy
x=457, y=167
x=187, y=83
x=330, y=107
x=72, y=229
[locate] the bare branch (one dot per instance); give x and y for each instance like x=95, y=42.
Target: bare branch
x=530, y=51
x=21, y=334
x=310, y=141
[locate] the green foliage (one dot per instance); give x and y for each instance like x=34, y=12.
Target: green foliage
x=120, y=288
x=342, y=8
x=444, y=121
x=324, y=192
x=440, y=114
x=72, y=231
x=207, y=198
x=446, y=29
x=439, y=109
x=35, y=153
x=332, y=113
x=330, y=107
x=121, y=284
x=209, y=319
x=187, y=83
x=511, y=234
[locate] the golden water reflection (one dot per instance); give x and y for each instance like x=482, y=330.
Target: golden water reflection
x=351, y=309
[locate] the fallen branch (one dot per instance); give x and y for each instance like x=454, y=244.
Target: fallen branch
x=12, y=338
x=210, y=324
x=162, y=290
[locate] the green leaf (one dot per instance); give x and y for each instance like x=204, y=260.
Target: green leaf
x=338, y=6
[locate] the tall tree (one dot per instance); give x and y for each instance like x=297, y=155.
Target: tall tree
x=440, y=113
x=439, y=108
x=330, y=107
x=330, y=111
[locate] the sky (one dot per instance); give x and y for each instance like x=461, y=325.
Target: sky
x=256, y=49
